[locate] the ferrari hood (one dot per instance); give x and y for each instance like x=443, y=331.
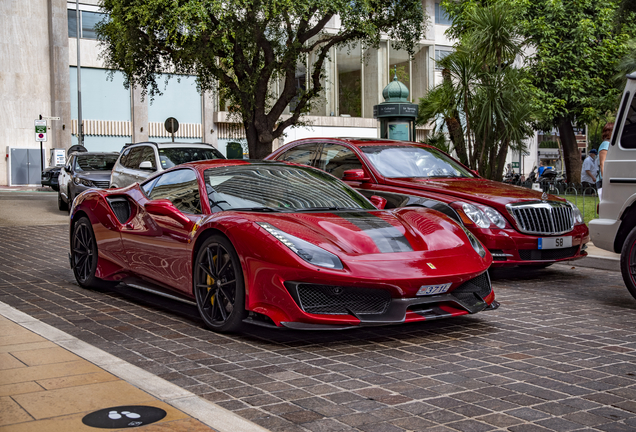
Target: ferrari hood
x=479, y=190
x=373, y=232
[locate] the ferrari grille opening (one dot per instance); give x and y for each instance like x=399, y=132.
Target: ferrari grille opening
x=121, y=208
x=471, y=294
x=338, y=300
x=547, y=254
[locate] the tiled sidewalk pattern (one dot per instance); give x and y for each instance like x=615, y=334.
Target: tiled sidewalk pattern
x=44, y=387
x=558, y=355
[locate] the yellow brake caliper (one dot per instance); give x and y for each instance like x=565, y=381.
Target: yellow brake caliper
x=210, y=281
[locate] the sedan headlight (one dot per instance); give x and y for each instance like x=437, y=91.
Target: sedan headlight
x=476, y=244
x=495, y=217
x=84, y=182
x=475, y=214
x=576, y=214
x=307, y=251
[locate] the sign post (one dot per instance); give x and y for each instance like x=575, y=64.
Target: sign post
x=40, y=136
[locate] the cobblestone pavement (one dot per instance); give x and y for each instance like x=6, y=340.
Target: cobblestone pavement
x=558, y=355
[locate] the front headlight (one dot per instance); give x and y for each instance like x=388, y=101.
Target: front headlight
x=475, y=214
x=576, y=214
x=495, y=217
x=476, y=244
x=84, y=182
x=307, y=251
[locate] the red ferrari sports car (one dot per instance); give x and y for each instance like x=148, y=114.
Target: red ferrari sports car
x=277, y=244
x=518, y=226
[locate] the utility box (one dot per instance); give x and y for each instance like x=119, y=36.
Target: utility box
x=58, y=157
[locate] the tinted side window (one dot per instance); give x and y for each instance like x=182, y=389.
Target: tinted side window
x=149, y=155
x=181, y=187
x=134, y=158
x=628, y=136
x=124, y=157
x=336, y=159
x=302, y=154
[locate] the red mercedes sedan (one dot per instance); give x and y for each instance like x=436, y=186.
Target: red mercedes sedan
x=277, y=244
x=519, y=226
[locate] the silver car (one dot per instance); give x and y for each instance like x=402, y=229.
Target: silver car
x=139, y=161
x=615, y=229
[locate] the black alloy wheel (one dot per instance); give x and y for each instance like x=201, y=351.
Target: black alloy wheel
x=628, y=262
x=218, y=285
x=61, y=205
x=84, y=256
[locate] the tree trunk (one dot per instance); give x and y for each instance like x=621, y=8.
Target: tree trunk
x=501, y=160
x=457, y=137
x=571, y=152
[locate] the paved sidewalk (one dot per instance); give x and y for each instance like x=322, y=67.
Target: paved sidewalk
x=45, y=386
x=599, y=259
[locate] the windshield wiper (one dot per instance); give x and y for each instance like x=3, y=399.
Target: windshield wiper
x=256, y=209
x=326, y=209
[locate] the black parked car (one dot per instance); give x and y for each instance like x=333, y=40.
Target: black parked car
x=49, y=177
x=86, y=170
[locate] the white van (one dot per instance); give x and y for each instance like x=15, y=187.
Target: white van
x=615, y=230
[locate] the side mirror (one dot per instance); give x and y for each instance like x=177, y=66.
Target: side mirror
x=146, y=165
x=67, y=168
x=378, y=201
x=164, y=207
x=475, y=172
x=357, y=175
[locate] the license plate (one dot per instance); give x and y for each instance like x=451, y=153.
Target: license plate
x=433, y=289
x=555, y=242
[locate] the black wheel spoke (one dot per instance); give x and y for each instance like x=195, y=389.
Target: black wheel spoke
x=207, y=272
x=208, y=297
x=228, y=282
x=222, y=269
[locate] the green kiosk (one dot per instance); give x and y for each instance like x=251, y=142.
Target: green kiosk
x=396, y=114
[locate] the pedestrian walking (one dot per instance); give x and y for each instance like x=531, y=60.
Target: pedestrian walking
x=589, y=171
x=602, y=154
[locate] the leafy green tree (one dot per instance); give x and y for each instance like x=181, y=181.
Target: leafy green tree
x=483, y=99
x=243, y=48
x=577, y=46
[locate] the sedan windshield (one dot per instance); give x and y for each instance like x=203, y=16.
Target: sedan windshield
x=411, y=161
x=95, y=162
x=273, y=187
x=170, y=157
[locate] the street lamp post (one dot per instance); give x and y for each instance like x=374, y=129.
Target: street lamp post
x=80, y=128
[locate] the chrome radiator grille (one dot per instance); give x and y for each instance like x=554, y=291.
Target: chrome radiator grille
x=544, y=218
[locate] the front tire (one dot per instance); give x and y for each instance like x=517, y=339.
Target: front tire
x=219, y=287
x=61, y=205
x=84, y=256
x=628, y=262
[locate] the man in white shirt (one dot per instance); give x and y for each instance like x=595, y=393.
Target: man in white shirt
x=589, y=171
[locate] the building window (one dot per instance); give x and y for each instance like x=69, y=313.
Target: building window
x=440, y=53
x=441, y=17
x=88, y=20
x=349, y=62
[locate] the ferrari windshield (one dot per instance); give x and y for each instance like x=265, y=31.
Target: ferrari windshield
x=95, y=162
x=275, y=187
x=170, y=157
x=411, y=161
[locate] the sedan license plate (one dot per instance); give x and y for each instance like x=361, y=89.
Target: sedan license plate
x=433, y=289
x=555, y=242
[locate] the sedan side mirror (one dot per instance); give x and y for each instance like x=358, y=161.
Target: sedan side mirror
x=378, y=201
x=146, y=165
x=164, y=207
x=357, y=175
x=475, y=172
x=67, y=168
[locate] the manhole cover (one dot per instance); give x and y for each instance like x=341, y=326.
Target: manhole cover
x=123, y=417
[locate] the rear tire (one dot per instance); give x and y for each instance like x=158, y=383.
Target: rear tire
x=84, y=256
x=61, y=205
x=628, y=262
